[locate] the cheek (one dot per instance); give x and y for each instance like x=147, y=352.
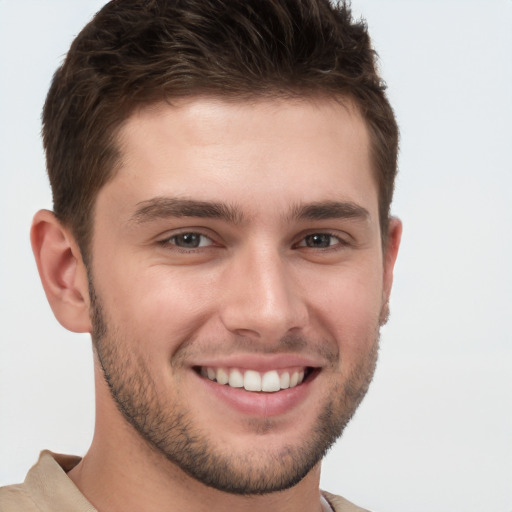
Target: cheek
x=350, y=310
x=157, y=305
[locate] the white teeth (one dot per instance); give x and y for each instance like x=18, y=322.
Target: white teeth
x=236, y=379
x=251, y=380
x=270, y=381
x=222, y=376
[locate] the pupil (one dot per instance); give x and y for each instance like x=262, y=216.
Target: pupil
x=188, y=240
x=318, y=240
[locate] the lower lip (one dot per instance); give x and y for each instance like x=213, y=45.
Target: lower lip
x=260, y=404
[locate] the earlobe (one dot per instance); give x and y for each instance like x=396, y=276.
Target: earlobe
x=62, y=271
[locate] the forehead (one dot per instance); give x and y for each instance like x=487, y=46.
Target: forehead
x=263, y=156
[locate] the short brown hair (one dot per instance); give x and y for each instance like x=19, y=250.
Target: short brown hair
x=137, y=52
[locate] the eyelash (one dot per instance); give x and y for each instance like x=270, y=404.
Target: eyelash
x=340, y=242
x=171, y=241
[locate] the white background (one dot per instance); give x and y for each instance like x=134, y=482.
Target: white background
x=435, y=431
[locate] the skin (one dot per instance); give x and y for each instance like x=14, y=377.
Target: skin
x=258, y=292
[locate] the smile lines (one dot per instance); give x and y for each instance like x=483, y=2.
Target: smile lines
x=252, y=380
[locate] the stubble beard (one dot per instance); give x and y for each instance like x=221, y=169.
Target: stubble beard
x=168, y=428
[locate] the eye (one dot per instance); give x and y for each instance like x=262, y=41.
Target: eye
x=188, y=240
x=319, y=241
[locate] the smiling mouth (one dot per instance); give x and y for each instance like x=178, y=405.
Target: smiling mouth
x=252, y=380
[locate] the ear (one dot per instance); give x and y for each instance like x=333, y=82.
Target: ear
x=62, y=271
x=390, y=255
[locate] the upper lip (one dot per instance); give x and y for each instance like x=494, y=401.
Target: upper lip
x=260, y=362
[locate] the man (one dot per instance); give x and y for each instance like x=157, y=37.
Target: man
x=222, y=174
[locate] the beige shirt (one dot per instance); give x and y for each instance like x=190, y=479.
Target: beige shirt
x=47, y=488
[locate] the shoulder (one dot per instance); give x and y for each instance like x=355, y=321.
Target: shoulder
x=340, y=504
x=16, y=498
x=46, y=487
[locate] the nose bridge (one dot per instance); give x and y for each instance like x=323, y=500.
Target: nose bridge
x=261, y=297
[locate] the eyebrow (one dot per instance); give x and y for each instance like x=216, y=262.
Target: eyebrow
x=330, y=210
x=165, y=207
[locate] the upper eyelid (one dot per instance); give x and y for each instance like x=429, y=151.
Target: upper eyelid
x=184, y=231
x=340, y=240
x=167, y=243
x=201, y=235
x=343, y=236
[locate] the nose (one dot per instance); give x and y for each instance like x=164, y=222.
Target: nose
x=261, y=298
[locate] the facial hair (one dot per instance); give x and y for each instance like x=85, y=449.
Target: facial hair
x=169, y=429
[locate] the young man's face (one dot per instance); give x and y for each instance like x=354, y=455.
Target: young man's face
x=240, y=242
